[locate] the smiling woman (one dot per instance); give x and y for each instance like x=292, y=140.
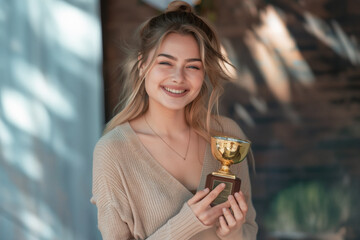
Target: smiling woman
x=151, y=164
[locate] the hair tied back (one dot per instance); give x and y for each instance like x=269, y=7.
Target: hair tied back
x=179, y=6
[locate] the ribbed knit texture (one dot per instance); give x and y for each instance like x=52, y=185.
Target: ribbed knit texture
x=137, y=198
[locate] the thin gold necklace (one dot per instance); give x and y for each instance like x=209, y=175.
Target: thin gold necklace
x=187, y=148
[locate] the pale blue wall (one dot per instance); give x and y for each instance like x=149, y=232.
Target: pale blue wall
x=51, y=115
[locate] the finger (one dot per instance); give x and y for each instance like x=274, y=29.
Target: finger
x=212, y=214
x=213, y=194
x=240, y=197
x=225, y=204
x=235, y=207
x=198, y=196
x=223, y=227
x=231, y=222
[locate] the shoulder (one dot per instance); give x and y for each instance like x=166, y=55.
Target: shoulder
x=111, y=137
x=118, y=135
x=228, y=127
x=112, y=144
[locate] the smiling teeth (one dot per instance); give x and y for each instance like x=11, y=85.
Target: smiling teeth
x=174, y=90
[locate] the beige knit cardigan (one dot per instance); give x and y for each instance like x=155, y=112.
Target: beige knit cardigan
x=137, y=198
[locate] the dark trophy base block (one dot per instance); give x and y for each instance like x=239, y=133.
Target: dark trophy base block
x=232, y=186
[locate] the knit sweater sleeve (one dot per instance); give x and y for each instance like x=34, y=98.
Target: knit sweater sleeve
x=250, y=227
x=115, y=219
x=182, y=226
x=111, y=213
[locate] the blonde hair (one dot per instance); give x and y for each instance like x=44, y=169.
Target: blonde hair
x=178, y=18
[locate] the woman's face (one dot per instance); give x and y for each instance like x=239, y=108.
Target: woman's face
x=176, y=77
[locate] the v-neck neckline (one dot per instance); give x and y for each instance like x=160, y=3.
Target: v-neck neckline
x=204, y=170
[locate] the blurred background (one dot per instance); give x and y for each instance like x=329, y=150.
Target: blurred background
x=51, y=115
x=296, y=96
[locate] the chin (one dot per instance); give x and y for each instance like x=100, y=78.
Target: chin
x=175, y=108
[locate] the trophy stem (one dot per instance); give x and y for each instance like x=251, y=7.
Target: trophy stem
x=225, y=169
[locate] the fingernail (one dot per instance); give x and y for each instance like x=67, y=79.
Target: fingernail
x=230, y=197
x=224, y=209
x=237, y=194
x=222, y=184
x=206, y=189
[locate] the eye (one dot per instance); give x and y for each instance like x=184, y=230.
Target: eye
x=165, y=63
x=194, y=67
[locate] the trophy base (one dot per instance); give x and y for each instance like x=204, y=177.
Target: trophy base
x=231, y=186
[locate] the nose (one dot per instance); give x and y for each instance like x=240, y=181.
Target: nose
x=178, y=76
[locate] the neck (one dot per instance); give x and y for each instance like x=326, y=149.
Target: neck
x=167, y=122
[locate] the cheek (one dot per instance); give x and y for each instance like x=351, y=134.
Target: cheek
x=197, y=89
x=147, y=85
x=196, y=79
x=200, y=82
x=151, y=79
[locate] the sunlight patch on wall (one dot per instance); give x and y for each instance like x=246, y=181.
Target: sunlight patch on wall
x=244, y=115
x=71, y=28
x=279, y=60
x=2, y=15
x=20, y=112
x=5, y=136
x=36, y=83
x=274, y=34
x=31, y=165
x=36, y=225
x=24, y=161
x=272, y=71
x=334, y=37
x=26, y=114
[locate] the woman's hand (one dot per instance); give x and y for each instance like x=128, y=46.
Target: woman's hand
x=200, y=205
x=230, y=224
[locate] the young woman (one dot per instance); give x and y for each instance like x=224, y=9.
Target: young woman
x=150, y=166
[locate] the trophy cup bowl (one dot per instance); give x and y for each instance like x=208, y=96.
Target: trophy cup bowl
x=228, y=151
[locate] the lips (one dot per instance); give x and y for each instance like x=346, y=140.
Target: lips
x=174, y=92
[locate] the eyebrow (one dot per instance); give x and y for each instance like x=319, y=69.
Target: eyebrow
x=174, y=58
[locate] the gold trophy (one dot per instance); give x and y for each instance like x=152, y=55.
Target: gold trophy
x=228, y=151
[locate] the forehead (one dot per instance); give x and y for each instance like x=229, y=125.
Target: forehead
x=180, y=45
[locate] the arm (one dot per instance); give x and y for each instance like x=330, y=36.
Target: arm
x=115, y=217
x=202, y=216
x=112, y=214
x=182, y=226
